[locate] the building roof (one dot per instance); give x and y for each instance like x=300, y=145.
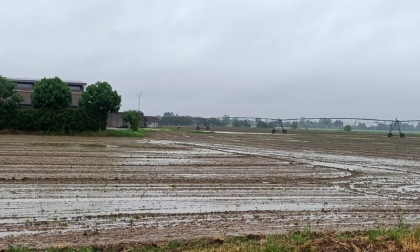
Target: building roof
x=152, y=118
x=28, y=80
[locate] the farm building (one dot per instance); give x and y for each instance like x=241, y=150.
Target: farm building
x=25, y=87
x=151, y=122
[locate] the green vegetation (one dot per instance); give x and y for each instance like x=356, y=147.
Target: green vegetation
x=347, y=128
x=172, y=119
x=294, y=125
x=9, y=102
x=132, y=117
x=265, y=125
x=241, y=123
x=100, y=97
x=98, y=100
x=114, y=133
x=380, y=239
x=119, y=133
x=51, y=93
x=51, y=112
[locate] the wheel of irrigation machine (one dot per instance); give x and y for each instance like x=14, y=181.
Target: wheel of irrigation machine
x=402, y=135
x=207, y=128
x=274, y=131
x=390, y=135
x=197, y=128
x=284, y=131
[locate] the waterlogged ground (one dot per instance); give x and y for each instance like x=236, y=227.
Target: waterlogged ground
x=113, y=192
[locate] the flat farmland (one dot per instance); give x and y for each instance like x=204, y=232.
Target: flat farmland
x=109, y=192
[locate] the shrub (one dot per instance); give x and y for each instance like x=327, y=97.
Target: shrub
x=132, y=117
x=347, y=128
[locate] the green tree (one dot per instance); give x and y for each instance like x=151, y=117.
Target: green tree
x=132, y=117
x=9, y=102
x=51, y=93
x=236, y=123
x=294, y=125
x=361, y=126
x=99, y=99
x=168, y=114
x=347, y=128
x=246, y=124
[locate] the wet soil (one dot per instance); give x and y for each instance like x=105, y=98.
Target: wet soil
x=114, y=192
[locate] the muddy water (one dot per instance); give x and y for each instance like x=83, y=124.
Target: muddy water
x=234, y=182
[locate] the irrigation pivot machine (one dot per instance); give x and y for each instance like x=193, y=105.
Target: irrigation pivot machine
x=395, y=125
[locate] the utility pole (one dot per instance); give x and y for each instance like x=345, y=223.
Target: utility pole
x=139, y=95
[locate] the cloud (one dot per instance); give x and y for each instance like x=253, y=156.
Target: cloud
x=209, y=58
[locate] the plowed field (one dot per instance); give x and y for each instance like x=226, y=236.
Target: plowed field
x=110, y=192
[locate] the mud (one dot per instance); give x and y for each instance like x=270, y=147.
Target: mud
x=79, y=191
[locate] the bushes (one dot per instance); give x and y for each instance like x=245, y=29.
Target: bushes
x=347, y=128
x=133, y=118
x=9, y=102
x=65, y=120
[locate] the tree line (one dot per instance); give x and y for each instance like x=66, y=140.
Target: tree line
x=172, y=119
x=51, y=100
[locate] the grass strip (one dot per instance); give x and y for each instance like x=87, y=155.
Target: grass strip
x=379, y=239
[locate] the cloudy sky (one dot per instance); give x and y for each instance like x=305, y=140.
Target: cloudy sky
x=266, y=58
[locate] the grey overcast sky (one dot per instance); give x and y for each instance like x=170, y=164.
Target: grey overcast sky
x=259, y=58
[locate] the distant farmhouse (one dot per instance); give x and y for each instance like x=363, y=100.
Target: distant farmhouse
x=151, y=122
x=25, y=87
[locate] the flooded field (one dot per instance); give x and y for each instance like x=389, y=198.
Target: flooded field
x=78, y=191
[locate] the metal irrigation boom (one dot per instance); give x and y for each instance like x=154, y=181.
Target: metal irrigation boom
x=279, y=122
x=201, y=122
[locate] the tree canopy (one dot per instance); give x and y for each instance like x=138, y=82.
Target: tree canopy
x=100, y=97
x=9, y=101
x=51, y=93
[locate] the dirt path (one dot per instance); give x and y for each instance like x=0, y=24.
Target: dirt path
x=110, y=192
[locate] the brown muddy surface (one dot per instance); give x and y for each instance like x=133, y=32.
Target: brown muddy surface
x=115, y=192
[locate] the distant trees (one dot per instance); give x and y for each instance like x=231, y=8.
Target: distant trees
x=361, y=126
x=347, y=128
x=261, y=124
x=169, y=118
x=241, y=123
x=9, y=102
x=168, y=114
x=133, y=118
x=294, y=125
x=214, y=122
x=172, y=119
x=226, y=119
x=338, y=124
x=326, y=122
